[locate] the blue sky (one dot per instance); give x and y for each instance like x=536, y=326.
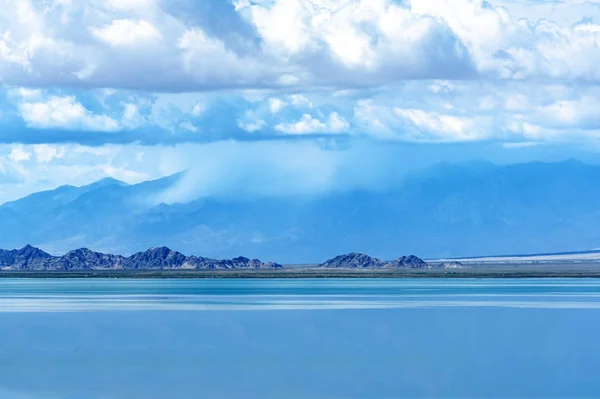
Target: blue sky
x=280, y=97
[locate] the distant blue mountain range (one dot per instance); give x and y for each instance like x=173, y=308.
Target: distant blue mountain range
x=450, y=210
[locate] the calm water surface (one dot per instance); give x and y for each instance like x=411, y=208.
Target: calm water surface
x=364, y=338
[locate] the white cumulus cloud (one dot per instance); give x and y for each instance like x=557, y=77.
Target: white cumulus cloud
x=45, y=153
x=307, y=124
x=18, y=154
x=64, y=112
x=125, y=32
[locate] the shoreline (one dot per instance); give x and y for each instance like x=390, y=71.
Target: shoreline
x=566, y=271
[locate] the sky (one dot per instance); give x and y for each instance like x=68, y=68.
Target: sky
x=282, y=97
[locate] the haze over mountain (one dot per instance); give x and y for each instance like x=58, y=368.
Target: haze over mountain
x=448, y=210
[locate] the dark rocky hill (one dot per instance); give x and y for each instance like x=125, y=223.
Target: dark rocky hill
x=357, y=260
x=26, y=258
x=410, y=261
x=31, y=258
x=353, y=261
x=85, y=259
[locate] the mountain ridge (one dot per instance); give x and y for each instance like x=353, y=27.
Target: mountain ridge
x=356, y=260
x=447, y=211
x=30, y=258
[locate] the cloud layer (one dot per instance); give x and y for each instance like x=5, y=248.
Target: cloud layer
x=182, y=46
x=146, y=76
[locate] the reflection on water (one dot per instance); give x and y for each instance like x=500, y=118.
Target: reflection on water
x=68, y=339
x=25, y=295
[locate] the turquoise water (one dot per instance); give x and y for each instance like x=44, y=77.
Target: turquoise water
x=364, y=338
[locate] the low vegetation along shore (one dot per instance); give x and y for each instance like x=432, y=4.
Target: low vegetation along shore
x=162, y=262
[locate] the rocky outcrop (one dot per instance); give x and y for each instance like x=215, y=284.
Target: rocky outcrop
x=26, y=258
x=156, y=258
x=410, y=261
x=244, y=263
x=161, y=258
x=353, y=261
x=356, y=260
x=85, y=259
